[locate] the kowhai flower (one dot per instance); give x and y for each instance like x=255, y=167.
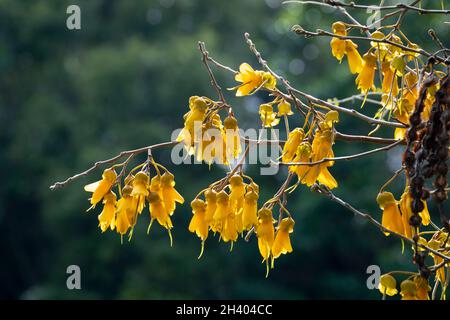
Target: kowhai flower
x=101, y=187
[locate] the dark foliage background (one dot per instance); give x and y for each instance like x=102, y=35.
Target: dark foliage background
x=68, y=98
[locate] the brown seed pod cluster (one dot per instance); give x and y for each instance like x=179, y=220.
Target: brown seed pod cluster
x=427, y=148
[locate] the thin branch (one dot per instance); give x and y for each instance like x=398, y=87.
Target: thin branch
x=350, y=112
x=353, y=156
x=319, y=32
x=352, y=5
x=202, y=48
x=369, y=218
x=96, y=165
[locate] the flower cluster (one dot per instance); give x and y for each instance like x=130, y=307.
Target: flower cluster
x=229, y=208
x=415, y=287
x=397, y=214
x=206, y=136
x=138, y=190
x=270, y=118
x=297, y=149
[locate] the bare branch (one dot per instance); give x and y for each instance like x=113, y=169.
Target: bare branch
x=352, y=5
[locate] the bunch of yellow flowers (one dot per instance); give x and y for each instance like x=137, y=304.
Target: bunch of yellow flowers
x=229, y=208
x=137, y=191
x=206, y=136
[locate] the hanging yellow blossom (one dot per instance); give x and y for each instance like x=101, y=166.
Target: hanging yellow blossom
x=341, y=47
x=101, y=187
x=366, y=76
x=107, y=217
x=436, y=244
x=390, y=84
x=198, y=224
x=192, y=133
x=268, y=116
x=222, y=210
x=211, y=205
x=252, y=80
x=229, y=231
x=249, y=214
x=282, y=242
x=355, y=62
x=321, y=148
x=422, y=288
x=169, y=194
x=284, y=108
x=237, y=194
x=232, y=138
x=125, y=211
x=140, y=189
x=290, y=147
x=338, y=45
x=158, y=212
x=303, y=154
x=408, y=290
x=265, y=232
x=388, y=285
x=392, y=218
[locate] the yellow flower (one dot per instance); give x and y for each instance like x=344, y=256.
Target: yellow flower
x=355, y=62
x=229, y=231
x=169, y=194
x=249, y=215
x=422, y=288
x=108, y=215
x=440, y=273
x=303, y=154
x=392, y=218
x=198, y=224
x=211, y=205
x=193, y=123
x=222, y=210
x=125, y=211
x=388, y=285
x=232, y=138
x=140, y=189
x=290, y=147
x=282, y=242
x=265, y=232
x=405, y=208
x=331, y=117
x=237, y=194
x=321, y=148
x=252, y=80
x=284, y=108
x=158, y=212
x=408, y=290
x=411, y=91
x=338, y=45
x=390, y=83
x=101, y=187
x=268, y=116
x=367, y=74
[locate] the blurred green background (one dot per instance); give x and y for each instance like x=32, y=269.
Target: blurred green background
x=69, y=98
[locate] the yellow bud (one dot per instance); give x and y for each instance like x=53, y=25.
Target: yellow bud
x=384, y=199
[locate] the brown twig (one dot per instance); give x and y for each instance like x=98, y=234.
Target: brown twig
x=350, y=157
x=96, y=165
x=369, y=218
